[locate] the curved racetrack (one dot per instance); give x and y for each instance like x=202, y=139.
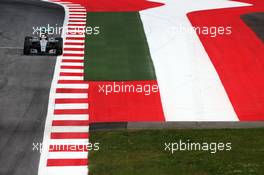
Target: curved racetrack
x=24, y=84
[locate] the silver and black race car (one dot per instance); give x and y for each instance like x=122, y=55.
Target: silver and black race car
x=43, y=45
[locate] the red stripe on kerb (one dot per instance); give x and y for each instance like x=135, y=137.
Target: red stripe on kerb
x=73, y=55
x=72, y=67
x=77, y=25
x=72, y=82
x=76, y=20
x=71, y=74
x=72, y=61
x=71, y=100
x=70, y=111
x=71, y=90
x=237, y=58
x=77, y=34
x=70, y=123
x=77, y=10
x=117, y=5
x=72, y=43
x=67, y=162
x=77, y=29
x=75, y=38
x=69, y=135
x=77, y=17
x=74, y=49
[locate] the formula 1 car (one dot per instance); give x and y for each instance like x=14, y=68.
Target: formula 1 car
x=43, y=45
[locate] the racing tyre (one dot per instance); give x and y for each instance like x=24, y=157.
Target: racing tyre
x=59, y=46
x=27, y=45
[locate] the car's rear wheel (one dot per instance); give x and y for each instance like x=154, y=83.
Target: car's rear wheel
x=27, y=45
x=59, y=46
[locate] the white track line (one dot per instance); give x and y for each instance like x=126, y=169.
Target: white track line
x=190, y=88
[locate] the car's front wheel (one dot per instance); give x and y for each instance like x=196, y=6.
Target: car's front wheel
x=27, y=45
x=59, y=46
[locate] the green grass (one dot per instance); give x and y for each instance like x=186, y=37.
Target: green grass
x=142, y=153
x=120, y=52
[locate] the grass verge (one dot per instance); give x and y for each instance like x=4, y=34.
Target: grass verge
x=142, y=152
x=120, y=51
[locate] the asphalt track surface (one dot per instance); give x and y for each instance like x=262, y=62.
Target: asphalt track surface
x=24, y=84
